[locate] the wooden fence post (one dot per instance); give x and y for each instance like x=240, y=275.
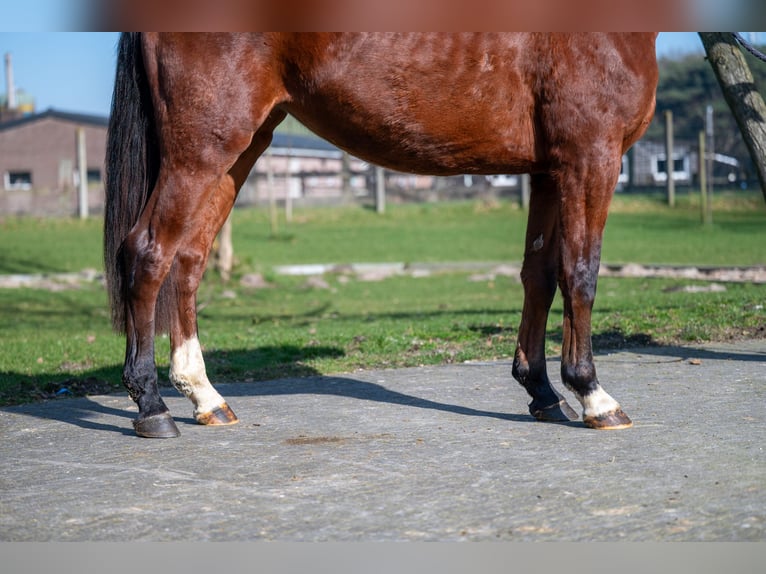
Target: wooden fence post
x=273, y=215
x=670, y=184
x=82, y=170
x=525, y=191
x=703, y=179
x=380, y=190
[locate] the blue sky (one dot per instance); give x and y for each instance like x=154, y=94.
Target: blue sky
x=74, y=71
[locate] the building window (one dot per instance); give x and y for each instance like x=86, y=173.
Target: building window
x=681, y=170
x=93, y=177
x=18, y=180
x=678, y=165
x=624, y=170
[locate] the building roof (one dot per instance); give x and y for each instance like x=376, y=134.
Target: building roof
x=285, y=141
x=280, y=138
x=93, y=120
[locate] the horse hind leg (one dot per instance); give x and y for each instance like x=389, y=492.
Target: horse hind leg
x=146, y=263
x=541, y=260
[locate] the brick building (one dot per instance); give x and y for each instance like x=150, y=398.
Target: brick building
x=39, y=167
x=39, y=171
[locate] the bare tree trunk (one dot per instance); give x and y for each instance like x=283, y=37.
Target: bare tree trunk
x=347, y=192
x=224, y=260
x=740, y=92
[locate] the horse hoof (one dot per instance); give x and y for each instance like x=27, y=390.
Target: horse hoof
x=555, y=413
x=219, y=416
x=609, y=421
x=156, y=426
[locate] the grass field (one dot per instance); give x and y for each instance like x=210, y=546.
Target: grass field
x=60, y=343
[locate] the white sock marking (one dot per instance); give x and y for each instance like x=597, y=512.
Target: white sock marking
x=597, y=403
x=187, y=373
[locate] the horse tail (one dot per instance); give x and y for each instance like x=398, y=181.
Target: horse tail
x=131, y=166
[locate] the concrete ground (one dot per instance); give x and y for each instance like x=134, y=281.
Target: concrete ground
x=438, y=453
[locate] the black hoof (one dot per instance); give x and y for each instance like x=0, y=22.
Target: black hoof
x=557, y=412
x=156, y=426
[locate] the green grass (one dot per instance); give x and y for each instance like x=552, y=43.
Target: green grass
x=462, y=231
x=642, y=229
x=51, y=341
x=51, y=245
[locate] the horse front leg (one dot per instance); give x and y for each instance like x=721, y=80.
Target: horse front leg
x=538, y=275
x=583, y=217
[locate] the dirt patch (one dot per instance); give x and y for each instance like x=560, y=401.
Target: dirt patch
x=313, y=440
x=50, y=281
x=755, y=274
x=371, y=272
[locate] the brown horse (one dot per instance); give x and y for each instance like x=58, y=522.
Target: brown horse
x=192, y=112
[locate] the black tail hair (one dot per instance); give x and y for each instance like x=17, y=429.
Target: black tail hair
x=131, y=166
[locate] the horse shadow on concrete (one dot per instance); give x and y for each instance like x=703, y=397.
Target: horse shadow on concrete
x=614, y=340
x=87, y=413
x=691, y=352
x=91, y=414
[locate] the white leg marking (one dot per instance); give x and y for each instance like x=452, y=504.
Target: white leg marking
x=187, y=373
x=597, y=403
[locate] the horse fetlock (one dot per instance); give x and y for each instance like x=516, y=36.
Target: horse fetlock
x=601, y=411
x=581, y=372
x=520, y=370
x=139, y=385
x=556, y=412
x=528, y=372
x=579, y=378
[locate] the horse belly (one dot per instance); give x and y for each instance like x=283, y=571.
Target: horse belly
x=430, y=149
x=434, y=104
